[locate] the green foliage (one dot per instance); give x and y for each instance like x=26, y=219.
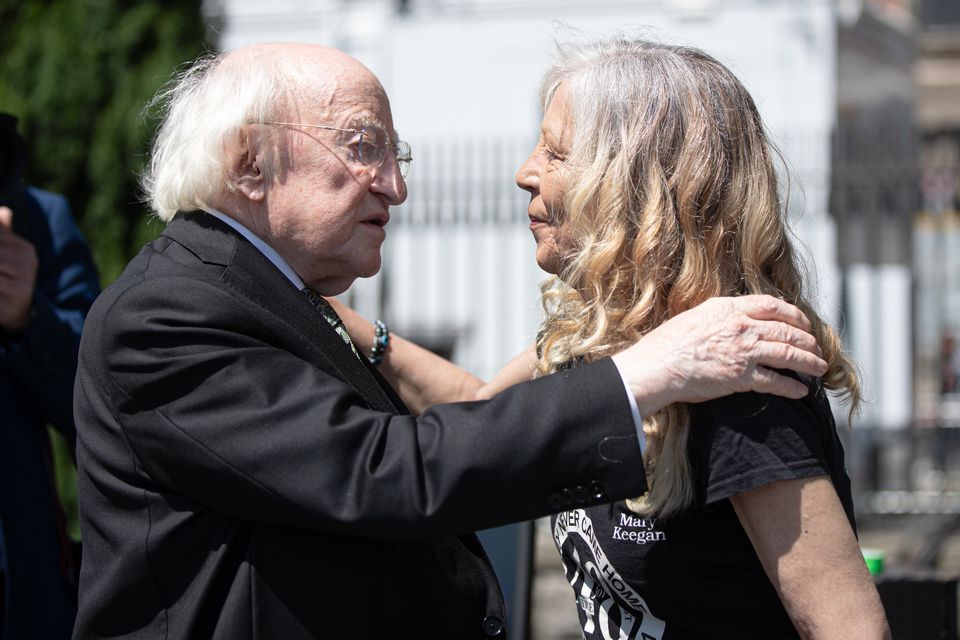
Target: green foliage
x=66, y=478
x=77, y=73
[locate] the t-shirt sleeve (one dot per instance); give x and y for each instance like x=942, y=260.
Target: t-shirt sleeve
x=749, y=440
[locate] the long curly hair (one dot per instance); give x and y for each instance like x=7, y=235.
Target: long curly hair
x=671, y=197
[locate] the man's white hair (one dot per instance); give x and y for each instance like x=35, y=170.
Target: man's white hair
x=203, y=108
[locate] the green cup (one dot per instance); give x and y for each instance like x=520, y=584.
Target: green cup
x=874, y=558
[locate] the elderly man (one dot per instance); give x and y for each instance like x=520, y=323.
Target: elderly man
x=244, y=474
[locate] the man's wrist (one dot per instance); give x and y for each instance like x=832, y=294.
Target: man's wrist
x=647, y=382
x=634, y=410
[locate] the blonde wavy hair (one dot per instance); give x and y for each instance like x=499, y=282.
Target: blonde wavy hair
x=671, y=198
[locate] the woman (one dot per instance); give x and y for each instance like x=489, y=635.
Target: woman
x=652, y=189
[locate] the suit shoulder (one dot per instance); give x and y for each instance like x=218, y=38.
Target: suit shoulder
x=164, y=289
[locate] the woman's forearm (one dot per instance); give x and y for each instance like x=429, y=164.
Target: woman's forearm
x=421, y=377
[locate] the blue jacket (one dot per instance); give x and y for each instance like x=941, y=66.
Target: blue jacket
x=37, y=368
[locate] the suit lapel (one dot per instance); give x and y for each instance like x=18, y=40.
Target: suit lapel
x=251, y=274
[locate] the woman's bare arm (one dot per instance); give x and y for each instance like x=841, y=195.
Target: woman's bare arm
x=421, y=377
x=808, y=550
x=521, y=368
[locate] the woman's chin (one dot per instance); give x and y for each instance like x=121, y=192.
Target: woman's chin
x=553, y=262
x=550, y=264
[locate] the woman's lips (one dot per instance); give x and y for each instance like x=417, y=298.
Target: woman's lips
x=534, y=221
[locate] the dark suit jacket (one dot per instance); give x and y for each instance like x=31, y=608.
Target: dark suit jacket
x=37, y=366
x=244, y=475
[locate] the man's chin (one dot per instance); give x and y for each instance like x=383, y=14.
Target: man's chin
x=335, y=284
x=372, y=269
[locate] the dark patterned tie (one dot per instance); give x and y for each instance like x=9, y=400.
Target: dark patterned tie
x=321, y=305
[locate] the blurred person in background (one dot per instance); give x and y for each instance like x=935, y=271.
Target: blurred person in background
x=47, y=283
x=653, y=189
x=949, y=365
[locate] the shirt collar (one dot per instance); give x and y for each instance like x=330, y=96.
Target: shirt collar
x=263, y=247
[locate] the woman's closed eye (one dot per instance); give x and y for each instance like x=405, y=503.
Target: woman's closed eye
x=552, y=154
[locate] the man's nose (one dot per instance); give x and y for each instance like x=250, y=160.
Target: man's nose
x=389, y=182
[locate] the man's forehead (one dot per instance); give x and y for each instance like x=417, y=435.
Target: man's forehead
x=331, y=91
x=323, y=84
x=323, y=74
x=291, y=53
x=351, y=104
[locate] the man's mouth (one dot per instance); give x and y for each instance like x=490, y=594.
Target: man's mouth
x=378, y=220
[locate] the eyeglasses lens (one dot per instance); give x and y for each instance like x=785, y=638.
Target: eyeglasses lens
x=370, y=146
x=404, y=157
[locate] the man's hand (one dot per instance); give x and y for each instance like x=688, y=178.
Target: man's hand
x=18, y=275
x=723, y=346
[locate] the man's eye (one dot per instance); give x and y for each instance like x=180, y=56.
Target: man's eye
x=367, y=149
x=358, y=146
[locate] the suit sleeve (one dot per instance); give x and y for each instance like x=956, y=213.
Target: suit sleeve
x=42, y=359
x=211, y=409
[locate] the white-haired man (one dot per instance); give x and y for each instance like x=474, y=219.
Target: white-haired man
x=244, y=474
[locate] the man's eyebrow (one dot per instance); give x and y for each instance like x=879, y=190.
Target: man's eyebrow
x=366, y=120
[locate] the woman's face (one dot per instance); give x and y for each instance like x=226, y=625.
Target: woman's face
x=543, y=174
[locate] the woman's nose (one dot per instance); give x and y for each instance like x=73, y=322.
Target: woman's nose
x=528, y=177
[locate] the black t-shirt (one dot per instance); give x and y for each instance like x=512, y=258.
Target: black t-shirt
x=697, y=575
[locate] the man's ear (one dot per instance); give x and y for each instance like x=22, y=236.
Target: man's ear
x=246, y=165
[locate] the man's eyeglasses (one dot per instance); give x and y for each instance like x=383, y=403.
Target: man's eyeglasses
x=368, y=144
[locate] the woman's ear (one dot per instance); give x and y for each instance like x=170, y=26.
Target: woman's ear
x=247, y=177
